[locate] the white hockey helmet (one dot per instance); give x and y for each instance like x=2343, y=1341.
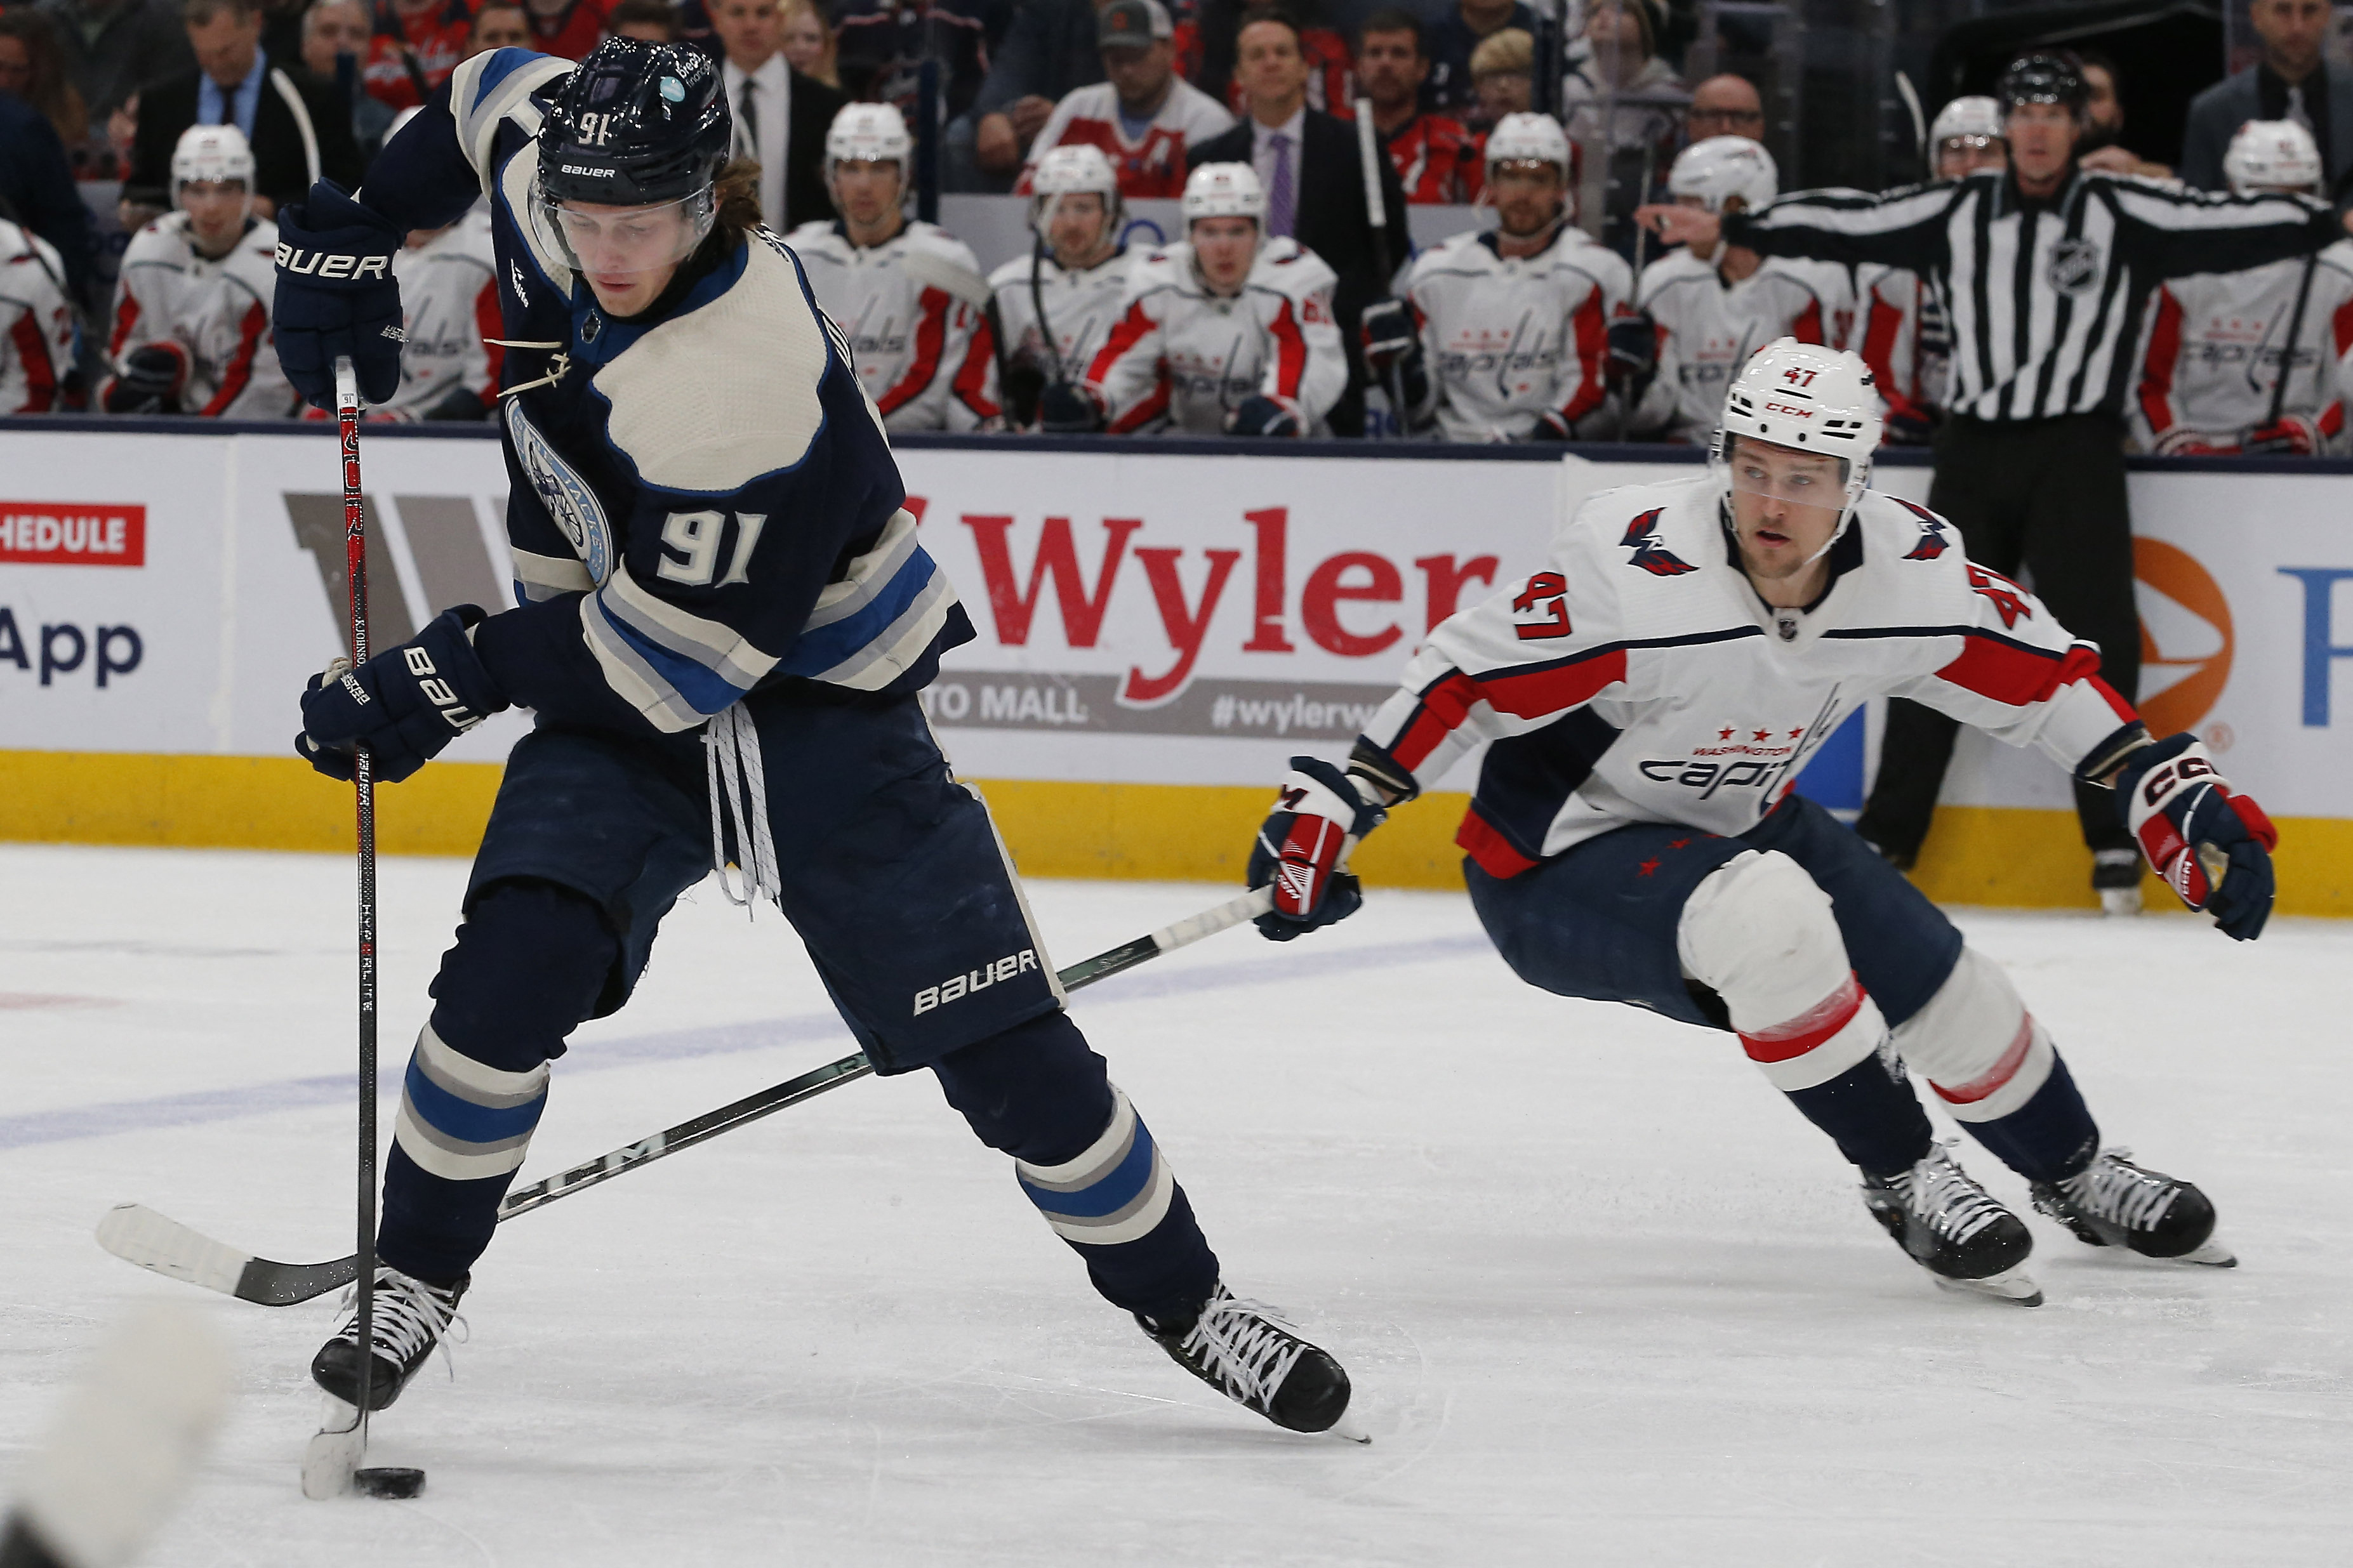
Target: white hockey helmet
x=1722, y=167
x=1074, y=168
x=1527, y=137
x=1224, y=190
x=1808, y=399
x=1974, y=115
x=871, y=133
x=211, y=153
x=2272, y=155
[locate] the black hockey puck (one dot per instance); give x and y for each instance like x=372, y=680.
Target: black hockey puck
x=392, y=1481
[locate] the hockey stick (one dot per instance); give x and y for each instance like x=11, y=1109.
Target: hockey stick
x=2288, y=348
x=334, y=1453
x=137, y=1233
x=1377, y=216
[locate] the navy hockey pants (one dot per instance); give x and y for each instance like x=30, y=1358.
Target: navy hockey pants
x=895, y=881
x=1601, y=922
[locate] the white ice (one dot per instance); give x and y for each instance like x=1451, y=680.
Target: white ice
x=1606, y=1299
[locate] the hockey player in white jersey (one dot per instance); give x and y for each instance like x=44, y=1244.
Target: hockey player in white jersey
x=191, y=331
x=2253, y=362
x=1060, y=302
x=1649, y=696
x=1901, y=330
x=1513, y=336
x=1713, y=309
x=924, y=354
x=1227, y=331
x=36, y=325
x=449, y=290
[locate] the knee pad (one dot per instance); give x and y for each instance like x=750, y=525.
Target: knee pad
x=1976, y=1043
x=528, y=966
x=1760, y=933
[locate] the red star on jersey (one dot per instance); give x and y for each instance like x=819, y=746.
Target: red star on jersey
x=1647, y=866
x=1724, y=734
x=1678, y=844
x=1764, y=734
x=1795, y=733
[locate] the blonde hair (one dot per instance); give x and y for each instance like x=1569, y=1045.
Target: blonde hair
x=1510, y=50
x=828, y=65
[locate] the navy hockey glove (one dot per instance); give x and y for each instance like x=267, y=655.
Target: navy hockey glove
x=336, y=296
x=1265, y=416
x=1551, y=425
x=1633, y=355
x=1064, y=408
x=1301, y=850
x=1388, y=335
x=405, y=704
x=2211, y=847
x=148, y=381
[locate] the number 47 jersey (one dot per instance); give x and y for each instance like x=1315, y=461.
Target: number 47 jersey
x=1638, y=678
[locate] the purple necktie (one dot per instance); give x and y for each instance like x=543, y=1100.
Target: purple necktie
x=1282, y=201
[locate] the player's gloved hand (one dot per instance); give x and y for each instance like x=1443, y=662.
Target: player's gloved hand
x=2211, y=847
x=1265, y=416
x=148, y=381
x=2292, y=436
x=1067, y=408
x=336, y=296
x=404, y=704
x=1317, y=819
x=2182, y=442
x=1633, y=355
x=1551, y=426
x=460, y=402
x=1909, y=425
x=1387, y=327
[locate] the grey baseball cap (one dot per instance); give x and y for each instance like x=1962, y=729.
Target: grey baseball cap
x=1132, y=23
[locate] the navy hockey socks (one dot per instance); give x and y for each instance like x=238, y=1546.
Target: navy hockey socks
x=2048, y=1138
x=1038, y=1092
x=1872, y=1116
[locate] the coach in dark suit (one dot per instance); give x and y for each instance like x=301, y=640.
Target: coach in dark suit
x=2292, y=81
x=1315, y=182
x=291, y=118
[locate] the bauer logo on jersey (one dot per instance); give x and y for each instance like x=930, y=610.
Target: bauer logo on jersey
x=2074, y=266
x=566, y=496
x=975, y=979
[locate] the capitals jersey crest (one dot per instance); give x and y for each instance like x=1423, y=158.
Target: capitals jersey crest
x=1643, y=539
x=1932, y=541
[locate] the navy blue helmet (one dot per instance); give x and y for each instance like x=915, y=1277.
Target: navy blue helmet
x=636, y=124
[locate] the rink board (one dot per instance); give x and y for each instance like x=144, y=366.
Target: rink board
x=1162, y=625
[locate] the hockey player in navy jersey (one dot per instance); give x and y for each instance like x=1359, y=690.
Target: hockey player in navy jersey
x=1650, y=695
x=724, y=618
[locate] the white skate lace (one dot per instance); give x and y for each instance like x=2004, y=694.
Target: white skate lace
x=408, y=1316
x=1946, y=1198
x=739, y=792
x=1243, y=1345
x=2116, y=1189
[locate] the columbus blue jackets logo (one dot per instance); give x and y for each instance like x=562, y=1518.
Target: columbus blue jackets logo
x=1643, y=539
x=573, y=505
x=1932, y=541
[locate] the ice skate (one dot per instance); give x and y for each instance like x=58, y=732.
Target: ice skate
x=2116, y=876
x=1251, y=1356
x=2114, y=1202
x=1955, y=1229
x=409, y=1318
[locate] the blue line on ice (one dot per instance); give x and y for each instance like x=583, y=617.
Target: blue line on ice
x=112, y=1117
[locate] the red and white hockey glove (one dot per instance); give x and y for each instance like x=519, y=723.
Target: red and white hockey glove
x=2183, y=442
x=2292, y=436
x=2211, y=847
x=1302, y=849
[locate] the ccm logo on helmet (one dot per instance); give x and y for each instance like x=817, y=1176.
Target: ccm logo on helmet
x=306, y=262
x=1795, y=410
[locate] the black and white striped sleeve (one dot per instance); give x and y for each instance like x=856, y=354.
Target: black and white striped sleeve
x=2175, y=233
x=1904, y=228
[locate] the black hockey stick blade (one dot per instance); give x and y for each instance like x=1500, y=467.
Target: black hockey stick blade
x=137, y=1233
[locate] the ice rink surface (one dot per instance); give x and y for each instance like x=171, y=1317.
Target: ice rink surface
x=1606, y=1299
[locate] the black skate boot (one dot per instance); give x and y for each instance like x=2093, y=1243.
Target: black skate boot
x=409, y=1317
x=1954, y=1228
x=2114, y=1202
x=1246, y=1352
x=2116, y=876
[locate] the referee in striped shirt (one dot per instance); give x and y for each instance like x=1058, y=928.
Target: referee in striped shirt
x=2044, y=270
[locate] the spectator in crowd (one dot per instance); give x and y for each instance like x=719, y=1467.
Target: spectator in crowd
x=36, y=325
x=1057, y=304
x=1514, y=338
x=1145, y=115
x=2292, y=81
x=1625, y=108
x=1724, y=105
x=499, y=25
x=415, y=45
x=333, y=30
x=1437, y=160
x=1314, y=183
x=1229, y=332
x=2253, y=362
x=113, y=48
x=37, y=191
x=2103, y=145
x=281, y=28
x=1208, y=51
x=1713, y=304
x=281, y=113
x=1903, y=335
x=450, y=360
x=1050, y=50
x=568, y=28
x=882, y=44
x=1503, y=78
x=32, y=68
x=781, y=116
x=192, y=309
x=652, y=22
x=923, y=351
x=1624, y=61
x=809, y=47
x=1452, y=38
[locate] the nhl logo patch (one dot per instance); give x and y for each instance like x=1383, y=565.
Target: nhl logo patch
x=2074, y=266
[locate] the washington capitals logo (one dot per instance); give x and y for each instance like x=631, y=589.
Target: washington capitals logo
x=1641, y=538
x=1932, y=541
